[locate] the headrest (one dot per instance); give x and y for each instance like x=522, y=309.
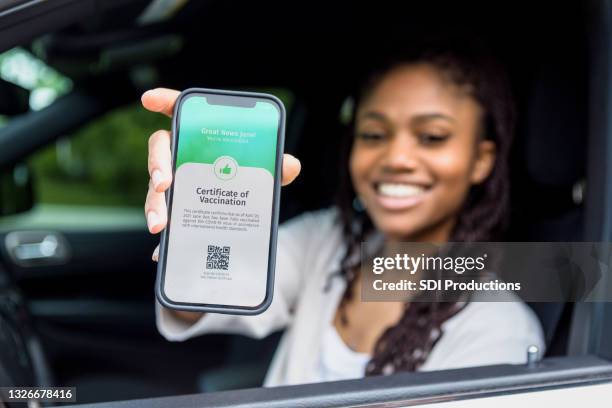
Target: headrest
x=556, y=126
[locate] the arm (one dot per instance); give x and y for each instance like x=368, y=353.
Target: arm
x=160, y=170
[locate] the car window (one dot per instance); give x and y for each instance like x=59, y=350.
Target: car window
x=102, y=164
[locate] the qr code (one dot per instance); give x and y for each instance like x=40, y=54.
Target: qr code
x=218, y=257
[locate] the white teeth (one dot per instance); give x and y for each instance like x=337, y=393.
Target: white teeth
x=399, y=190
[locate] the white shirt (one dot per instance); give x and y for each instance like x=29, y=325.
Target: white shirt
x=310, y=248
x=337, y=361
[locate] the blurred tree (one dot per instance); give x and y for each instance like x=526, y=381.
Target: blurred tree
x=104, y=163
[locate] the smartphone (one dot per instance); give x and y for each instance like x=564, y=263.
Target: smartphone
x=218, y=251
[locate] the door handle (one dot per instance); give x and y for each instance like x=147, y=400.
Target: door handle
x=37, y=248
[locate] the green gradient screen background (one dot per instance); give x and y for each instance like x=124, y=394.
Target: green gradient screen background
x=198, y=146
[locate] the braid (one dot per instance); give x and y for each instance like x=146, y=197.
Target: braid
x=406, y=345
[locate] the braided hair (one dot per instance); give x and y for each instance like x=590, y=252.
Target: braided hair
x=482, y=217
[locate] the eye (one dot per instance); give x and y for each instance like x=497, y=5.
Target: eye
x=371, y=136
x=432, y=138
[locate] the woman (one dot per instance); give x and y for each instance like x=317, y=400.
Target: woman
x=426, y=162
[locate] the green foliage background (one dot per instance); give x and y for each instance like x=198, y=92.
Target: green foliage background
x=103, y=163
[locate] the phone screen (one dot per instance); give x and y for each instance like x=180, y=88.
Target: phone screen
x=221, y=217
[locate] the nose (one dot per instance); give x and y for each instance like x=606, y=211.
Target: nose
x=401, y=153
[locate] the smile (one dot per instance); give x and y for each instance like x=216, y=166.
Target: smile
x=399, y=196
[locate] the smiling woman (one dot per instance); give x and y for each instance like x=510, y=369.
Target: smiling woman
x=418, y=145
x=425, y=161
x=88, y=173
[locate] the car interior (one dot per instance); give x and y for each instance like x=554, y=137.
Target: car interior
x=86, y=318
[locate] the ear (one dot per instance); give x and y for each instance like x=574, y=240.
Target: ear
x=485, y=159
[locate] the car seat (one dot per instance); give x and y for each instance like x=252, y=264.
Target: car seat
x=548, y=175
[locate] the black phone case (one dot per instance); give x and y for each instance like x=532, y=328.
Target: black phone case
x=163, y=246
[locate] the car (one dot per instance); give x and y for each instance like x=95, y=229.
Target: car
x=76, y=276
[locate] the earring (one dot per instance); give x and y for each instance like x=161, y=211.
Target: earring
x=358, y=205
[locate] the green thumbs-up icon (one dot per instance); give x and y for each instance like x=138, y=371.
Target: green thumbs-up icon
x=226, y=170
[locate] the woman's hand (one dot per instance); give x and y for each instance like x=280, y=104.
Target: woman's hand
x=160, y=162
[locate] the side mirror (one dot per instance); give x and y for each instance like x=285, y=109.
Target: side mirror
x=16, y=190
